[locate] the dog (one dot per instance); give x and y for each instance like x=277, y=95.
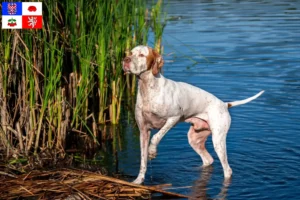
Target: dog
x=162, y=103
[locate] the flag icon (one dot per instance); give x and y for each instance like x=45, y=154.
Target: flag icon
x=29, y=22
x=31, y=8
x=22, y=15
x=11, y=22
x=12, y=8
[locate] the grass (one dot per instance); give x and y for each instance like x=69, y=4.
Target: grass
x=67, y=78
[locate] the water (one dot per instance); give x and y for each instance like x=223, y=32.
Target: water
x=248, y=46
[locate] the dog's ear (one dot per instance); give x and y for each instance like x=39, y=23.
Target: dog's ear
x=158, y=62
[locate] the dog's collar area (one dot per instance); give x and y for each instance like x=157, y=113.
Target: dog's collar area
x=139, y=75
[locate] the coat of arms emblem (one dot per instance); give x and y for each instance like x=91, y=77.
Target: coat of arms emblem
x=12, y=22
x=12, y=8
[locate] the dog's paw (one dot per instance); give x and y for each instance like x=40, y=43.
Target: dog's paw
x=152, y=152
x=207, y=161
x=152, y=155
x=138, y=181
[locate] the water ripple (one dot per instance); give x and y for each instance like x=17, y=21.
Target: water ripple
x=250, y=46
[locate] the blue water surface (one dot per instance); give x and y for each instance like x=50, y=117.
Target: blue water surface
x=233, y=49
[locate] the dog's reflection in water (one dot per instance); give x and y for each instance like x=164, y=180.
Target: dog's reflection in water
x=199, y=189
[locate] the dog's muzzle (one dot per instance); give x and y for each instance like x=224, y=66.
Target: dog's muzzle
x=126, y=64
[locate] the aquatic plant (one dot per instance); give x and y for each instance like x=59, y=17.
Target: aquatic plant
x=67, y=77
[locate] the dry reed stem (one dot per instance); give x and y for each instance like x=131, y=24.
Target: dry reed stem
x=66, y=182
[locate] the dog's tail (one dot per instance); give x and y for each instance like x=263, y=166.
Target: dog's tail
x=236, y=103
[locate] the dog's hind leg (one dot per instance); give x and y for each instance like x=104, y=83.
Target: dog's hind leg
x=219, y=124
x=197, y=141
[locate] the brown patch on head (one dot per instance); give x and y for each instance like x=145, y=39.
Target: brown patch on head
x=150, y=59
x=229, y=105
x=154, y=61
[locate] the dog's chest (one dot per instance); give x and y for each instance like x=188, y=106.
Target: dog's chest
x=152, y=120
x=156, y=103
x=155, y=111
x=153, y=107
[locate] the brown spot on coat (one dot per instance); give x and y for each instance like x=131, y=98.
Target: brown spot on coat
x=154, y=61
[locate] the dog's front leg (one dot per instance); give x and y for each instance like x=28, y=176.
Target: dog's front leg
x=160, y=134
x=144, y=142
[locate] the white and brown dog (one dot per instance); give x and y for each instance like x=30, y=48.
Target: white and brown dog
x=161, y=103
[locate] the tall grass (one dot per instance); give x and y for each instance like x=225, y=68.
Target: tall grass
x=67, y=78
x=158, y=24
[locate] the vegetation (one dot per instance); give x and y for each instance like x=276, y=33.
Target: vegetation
x=67, y=77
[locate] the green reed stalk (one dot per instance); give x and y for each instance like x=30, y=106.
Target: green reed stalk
x=67, y=77
x=3, y=87
x=52, y=79
x=158, y=24
x=101, y=61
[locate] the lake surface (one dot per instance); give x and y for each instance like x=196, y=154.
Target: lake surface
x=232, y=49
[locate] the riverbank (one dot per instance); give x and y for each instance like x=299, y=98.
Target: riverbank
x=73, y=184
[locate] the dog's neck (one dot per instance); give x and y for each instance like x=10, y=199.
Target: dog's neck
x=147, y=77
x=147, y=81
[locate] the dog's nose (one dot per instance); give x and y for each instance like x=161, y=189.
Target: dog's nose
x=127, y=60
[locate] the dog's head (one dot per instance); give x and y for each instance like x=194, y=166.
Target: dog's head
x=142, y=59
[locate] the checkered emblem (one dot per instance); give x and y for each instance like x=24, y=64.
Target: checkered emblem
x=12, y=8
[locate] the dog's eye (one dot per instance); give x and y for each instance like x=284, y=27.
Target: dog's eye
x=141, y=55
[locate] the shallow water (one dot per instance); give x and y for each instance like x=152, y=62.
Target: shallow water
x=233, y=49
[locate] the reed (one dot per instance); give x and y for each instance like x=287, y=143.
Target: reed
x=159, y=20
x=67, y=78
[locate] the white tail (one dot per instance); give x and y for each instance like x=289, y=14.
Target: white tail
x=236, y=103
